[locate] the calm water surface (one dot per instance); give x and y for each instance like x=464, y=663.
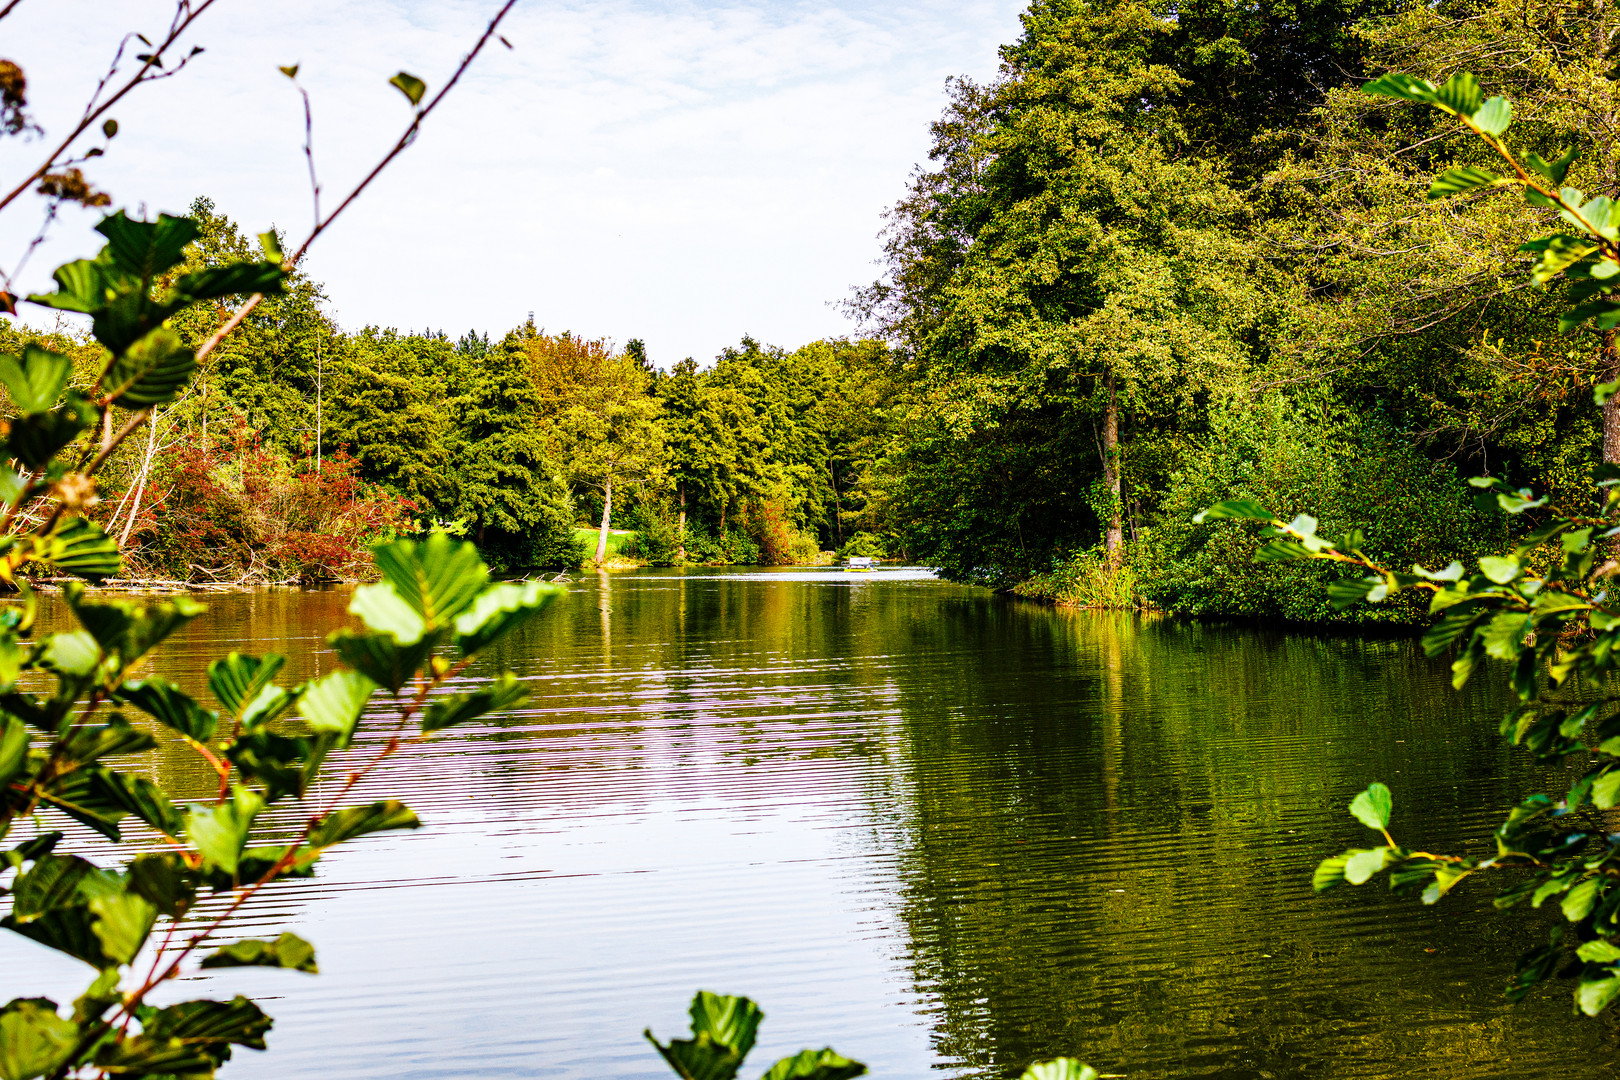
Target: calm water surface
x=945, y=832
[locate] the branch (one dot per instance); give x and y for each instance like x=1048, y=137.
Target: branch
x=184, y=17
x=410, y=132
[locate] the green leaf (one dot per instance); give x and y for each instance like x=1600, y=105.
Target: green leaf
x=1236, y=510
x=13, y=748
x=237, y=279
x=1373, y=806
x=139, y=797
x=79, y=547
x=1577, y=903
x=1494, y=116
x=1329, y=872
x=146, y=249
x=171, y=707
x=1460, y=93
x=143, y=1055
x=102, y=994
x=129, y=629
x=730, y=1021
x=55, y=881
x=1593, y=996
x=816, y=1065
x=1060, y=1069
x=36, y=438
x=379, y=657
x=439, y=577
x=282, y=764
x=1282, y=551
x=1503, y=636
x=409, y=85
x=1400, y=85
x=1556, y=169
x=84, y=796
x=81, y=287
x=1360, y=865
x=164, y=879
x=85, y=744
x=384, y=611
x=1599, y=952
x=1444, y=878
x=287, y=951
x=271, y=703
x=1558, y=252
x=499, y=610
x=1452, y=572
x=67, y=930
x=353, y=821
x=238, y=680
x=150, y=372
x=505, y=692
x=333, y=703
x=1593, y=309
x=34, y=1040
x=1499, y=570
x=37, y=380
x=1347, y=592
x=122, y=923
x=237, y=1021
x=220, y=832
x=1463, y=178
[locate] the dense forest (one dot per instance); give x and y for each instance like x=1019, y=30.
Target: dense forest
x=1169, y=254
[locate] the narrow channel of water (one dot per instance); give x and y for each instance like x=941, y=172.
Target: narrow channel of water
x=942, y=831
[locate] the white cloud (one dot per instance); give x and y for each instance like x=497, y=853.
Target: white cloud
x=679, y=172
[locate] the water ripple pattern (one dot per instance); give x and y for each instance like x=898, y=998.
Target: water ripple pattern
x=945, y=832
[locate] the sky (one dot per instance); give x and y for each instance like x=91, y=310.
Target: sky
x=680, y=172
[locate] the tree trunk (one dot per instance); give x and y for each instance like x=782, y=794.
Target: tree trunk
x=139, y=490
x=838, y=504
x=1609, y=371
x=1114, y=536
x=607, y=514
x=680, y=528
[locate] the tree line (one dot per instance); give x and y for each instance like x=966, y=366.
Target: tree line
x=1171, y=254
x=300, y=443
x=1168, y=255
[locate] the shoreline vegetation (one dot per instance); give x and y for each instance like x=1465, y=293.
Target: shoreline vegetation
x=1103, y=306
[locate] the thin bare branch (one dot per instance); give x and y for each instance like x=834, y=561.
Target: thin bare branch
x=185, y=15
x=410, y=132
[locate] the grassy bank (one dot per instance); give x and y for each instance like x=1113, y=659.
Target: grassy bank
x=621, y=546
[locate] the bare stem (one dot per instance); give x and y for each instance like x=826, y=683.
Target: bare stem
x=185, y=15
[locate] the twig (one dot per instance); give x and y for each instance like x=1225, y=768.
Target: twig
x=184, y=16
x=410, y=132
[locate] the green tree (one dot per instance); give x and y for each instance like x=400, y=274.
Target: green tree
x=613, y=434
x=508, y=489
x=1073, y=260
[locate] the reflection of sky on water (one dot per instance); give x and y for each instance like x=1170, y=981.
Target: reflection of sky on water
x=933, y=828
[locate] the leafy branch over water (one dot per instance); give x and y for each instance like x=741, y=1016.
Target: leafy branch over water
x=1545, y=608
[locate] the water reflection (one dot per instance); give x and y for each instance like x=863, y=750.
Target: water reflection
x=940, y=830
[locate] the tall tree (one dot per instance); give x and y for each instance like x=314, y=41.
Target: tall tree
x=613, y=434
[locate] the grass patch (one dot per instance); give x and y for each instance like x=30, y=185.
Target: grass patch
x=618, y=540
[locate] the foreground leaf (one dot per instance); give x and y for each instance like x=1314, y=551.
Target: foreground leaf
x=34, y=1040
x=827, y=1065
x=353, y=821
x=287, y=951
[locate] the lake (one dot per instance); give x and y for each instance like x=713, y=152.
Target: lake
x=945, y=832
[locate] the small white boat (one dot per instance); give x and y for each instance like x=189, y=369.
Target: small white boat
x=859, y=562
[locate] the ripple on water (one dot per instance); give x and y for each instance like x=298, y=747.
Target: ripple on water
x=942, y=831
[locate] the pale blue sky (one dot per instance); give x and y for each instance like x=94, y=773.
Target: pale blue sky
x=679, y=172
